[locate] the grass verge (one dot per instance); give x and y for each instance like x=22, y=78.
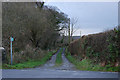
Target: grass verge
x=87, y=64
x=0, y=66
x=29, y=64
x=58, y=61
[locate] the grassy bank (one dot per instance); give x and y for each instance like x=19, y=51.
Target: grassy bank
x=101, y=47
x=30, y=63
x=58, y=61
x=87, y=64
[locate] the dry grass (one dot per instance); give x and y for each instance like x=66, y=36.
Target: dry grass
x=29, y=53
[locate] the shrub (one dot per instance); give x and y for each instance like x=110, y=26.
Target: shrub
x=103, y=47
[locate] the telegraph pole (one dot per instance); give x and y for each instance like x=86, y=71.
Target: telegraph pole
x=69, y=30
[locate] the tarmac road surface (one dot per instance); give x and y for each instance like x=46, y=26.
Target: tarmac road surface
x=49, y=70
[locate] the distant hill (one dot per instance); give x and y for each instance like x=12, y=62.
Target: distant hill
x=76, y=37
x=66, y=38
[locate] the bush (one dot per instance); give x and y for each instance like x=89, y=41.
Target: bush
x=29, y=53
x=114, y=45
x=102, y=48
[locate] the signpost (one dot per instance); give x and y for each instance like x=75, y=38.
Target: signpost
x=11, y=40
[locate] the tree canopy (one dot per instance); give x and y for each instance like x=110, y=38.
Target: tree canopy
x=37, y=26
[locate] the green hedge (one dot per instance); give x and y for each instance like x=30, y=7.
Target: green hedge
x=88, y=65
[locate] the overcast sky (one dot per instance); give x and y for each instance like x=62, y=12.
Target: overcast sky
x=93, y=17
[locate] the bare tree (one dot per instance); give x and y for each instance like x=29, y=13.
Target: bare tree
x=73, y=23
x=40, y=4
x=71, y=28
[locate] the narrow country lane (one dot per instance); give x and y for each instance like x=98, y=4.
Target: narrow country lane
x=49, y=70
x=66, y=65
x=49, y=64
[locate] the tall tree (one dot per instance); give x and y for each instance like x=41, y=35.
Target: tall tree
x=31, y=25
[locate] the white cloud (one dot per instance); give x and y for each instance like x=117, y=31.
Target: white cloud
x=93, y=17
